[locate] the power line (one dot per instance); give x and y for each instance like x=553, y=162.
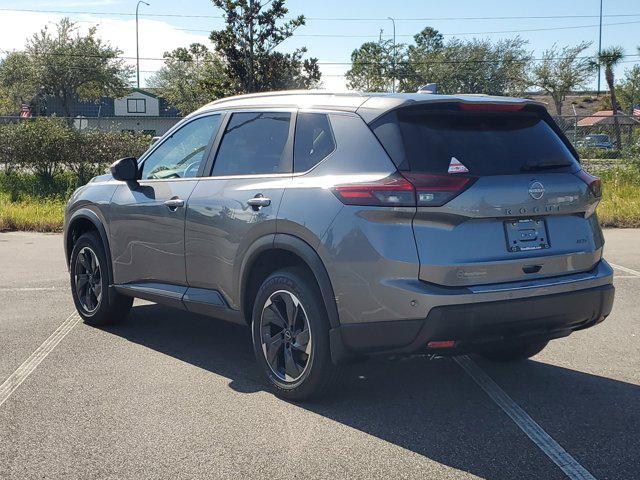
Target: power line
x=349, y=19
x=331, y=35
x=105, y=57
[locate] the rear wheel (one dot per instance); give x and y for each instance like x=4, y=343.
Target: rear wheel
x=513, y=351
x=291, y=336
x=90, y=284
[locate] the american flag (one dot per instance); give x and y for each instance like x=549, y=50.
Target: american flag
x=636, y=110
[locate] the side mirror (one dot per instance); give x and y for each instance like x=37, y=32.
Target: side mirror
x=125, y=169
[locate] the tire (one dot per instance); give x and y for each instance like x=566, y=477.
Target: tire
x=295, y=370
x=513, y=352
x=90, y=284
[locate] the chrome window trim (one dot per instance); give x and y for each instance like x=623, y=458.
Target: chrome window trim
x=226, y=113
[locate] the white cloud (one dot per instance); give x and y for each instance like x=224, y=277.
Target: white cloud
x=156, y=38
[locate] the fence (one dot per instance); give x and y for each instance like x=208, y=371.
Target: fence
x=596, y=134
x=153, y=126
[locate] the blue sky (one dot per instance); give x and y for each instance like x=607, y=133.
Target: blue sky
x=158, y=34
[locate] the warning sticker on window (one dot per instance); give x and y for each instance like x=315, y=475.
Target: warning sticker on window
x=456, y=166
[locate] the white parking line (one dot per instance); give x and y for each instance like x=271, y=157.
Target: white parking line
x=23, y=371
x=542, y=439
x=27, y=289
x=633, y=272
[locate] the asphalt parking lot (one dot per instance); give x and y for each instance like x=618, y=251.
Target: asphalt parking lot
x=172, y=395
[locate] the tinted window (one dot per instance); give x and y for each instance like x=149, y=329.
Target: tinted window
x=313, y=141
x=485, y=143
x=180, y=155
x=254, y=143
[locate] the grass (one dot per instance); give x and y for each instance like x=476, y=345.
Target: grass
x=31, y=214
x=620, y=205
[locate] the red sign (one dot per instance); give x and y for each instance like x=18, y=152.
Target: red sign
x=25, y=111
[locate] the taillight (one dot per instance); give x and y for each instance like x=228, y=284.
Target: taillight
x=435, y=190
x=392, y=191
x=404, y=190
x=594, y=183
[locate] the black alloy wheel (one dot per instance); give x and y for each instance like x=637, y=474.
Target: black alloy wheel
x=285, y=336
x=88, y=280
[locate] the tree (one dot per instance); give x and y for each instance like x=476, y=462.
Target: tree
x=16, y=83
x=67, y=65
x=465, y=66
x=247, y=47
x=628, y=90
x=609, y=58
x=191, y=77
x=562, y=71
x=372, y=67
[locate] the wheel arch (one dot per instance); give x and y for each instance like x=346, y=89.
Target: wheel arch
x=80, y=222
x=285, y=247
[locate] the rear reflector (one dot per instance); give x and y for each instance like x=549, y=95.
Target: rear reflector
x=404, y=190
x=490, y=107
x=594, y=183
x=442, y=344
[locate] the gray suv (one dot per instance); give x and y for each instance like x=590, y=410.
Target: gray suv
x=343, y=225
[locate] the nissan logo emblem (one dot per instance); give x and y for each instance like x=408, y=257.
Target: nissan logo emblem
x=536, y=190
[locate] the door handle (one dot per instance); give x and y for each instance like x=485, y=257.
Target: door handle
x=174, y=203
x=259, y=201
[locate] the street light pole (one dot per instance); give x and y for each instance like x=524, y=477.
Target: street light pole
x=137, y=45
x=599, y=46
x=393, y=86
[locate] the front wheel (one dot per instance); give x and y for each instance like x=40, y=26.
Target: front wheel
x=513, y=352
x=291, y=336
x=90, y=284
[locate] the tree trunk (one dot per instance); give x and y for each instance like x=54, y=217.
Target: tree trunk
x=558, y=104
x=66, y=108
x=614, y=106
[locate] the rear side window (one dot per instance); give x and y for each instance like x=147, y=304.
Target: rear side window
x=485, y=143
x=313, y=140
x=254, y=143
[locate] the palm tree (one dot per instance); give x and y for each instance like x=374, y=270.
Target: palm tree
x=609, y=58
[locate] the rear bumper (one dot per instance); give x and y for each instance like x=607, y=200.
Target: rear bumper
x=473, y=325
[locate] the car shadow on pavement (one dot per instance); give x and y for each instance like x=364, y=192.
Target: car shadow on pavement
x=432, y=407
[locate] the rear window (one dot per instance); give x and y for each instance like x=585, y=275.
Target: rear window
x=484, y=143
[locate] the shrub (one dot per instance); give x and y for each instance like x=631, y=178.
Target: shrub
x=599, y=153
x=50, y=149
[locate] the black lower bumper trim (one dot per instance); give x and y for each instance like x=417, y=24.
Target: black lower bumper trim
x=474, y=324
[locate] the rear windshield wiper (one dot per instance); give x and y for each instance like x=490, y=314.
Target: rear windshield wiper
x=543, y=166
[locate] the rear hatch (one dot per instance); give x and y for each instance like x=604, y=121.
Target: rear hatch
x=500, y=195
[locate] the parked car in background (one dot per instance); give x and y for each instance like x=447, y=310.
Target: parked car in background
x=339, y=226
x=598, y=140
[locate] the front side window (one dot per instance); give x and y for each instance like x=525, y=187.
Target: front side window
x=313, y=140
x=180, y=155
x=254, y=143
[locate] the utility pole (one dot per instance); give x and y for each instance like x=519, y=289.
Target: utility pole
x=251, y=83
x=137, y=45
x=599, y=46
x=393, y=86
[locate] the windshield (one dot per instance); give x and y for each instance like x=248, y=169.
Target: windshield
x=477, y=143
